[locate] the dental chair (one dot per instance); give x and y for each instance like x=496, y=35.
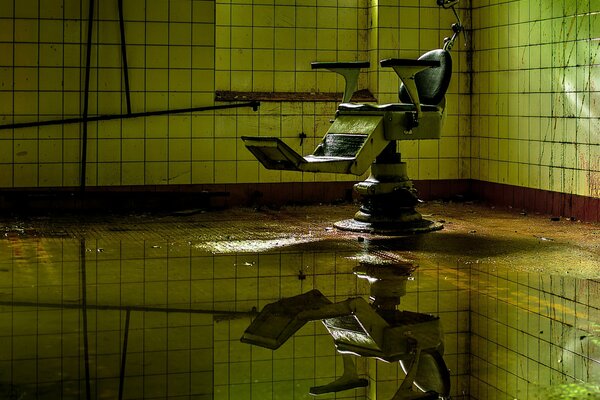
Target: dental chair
x=376, y=330
x=366, y=135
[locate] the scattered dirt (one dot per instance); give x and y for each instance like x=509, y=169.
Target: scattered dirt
x=472, y=233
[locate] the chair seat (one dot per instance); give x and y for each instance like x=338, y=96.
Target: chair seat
x=403, y=107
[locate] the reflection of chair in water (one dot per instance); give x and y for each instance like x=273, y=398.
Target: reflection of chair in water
x=358, y=328
x=365, y=135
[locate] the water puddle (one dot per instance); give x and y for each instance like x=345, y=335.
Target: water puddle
x=110, y=318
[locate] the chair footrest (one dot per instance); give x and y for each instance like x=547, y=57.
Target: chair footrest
x=278, y=321
x=273, y=153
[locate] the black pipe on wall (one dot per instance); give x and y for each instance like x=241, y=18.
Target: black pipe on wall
x=76, y=120
x=84, y=119
x=124, y=56
x=86, y=92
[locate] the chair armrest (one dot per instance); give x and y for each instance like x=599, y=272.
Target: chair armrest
x=341, y=64
x=348, y=69
x=406, y=69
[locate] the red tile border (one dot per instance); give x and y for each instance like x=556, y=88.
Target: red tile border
x=508, y=195
x=518, y=198
x=537, y=200
x=591, y=209
x=541, y=201
x=423, y=189
x=578, y=207
x=277, y=194
x=528, y=200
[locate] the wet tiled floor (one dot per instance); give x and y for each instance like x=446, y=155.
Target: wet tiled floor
x=153, y=306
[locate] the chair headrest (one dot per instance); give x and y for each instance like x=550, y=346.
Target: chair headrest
x=432, y=83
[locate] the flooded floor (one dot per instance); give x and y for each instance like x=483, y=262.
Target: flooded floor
x=154, y=306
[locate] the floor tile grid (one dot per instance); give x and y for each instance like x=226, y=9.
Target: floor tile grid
x=104, y=324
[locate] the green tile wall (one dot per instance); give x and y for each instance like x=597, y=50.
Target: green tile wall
x=179, y=53
x=534, y=116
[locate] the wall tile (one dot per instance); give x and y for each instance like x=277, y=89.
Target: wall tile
x=556, y=89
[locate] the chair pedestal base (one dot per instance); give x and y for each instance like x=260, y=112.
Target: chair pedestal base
x=388, y=229
x=388, y=202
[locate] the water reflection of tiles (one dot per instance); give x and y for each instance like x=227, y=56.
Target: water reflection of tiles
x=534, y=336
x=162, y=318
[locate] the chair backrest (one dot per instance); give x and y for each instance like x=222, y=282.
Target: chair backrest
x=432, y=83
